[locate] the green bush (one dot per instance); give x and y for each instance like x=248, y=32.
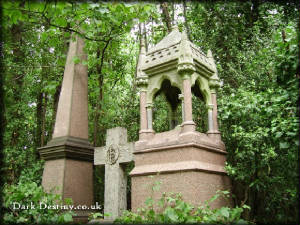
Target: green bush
x=30, y=194
x=172, y=209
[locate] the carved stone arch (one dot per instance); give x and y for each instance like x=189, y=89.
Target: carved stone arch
x=169, y=89
x=156, y=85
x=203, y=86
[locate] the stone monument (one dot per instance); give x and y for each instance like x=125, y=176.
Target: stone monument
x=186, y=161
x=69, y=156
x=115, y=155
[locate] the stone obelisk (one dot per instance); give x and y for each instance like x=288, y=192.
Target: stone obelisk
x=69, y=156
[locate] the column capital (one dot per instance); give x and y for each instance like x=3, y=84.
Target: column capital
x=142, y=81
x=214, y=84
x=210, y=106
x=181, y=97
x=186, y=70
x=213, y=91
x=143, y=89
x=149, y=105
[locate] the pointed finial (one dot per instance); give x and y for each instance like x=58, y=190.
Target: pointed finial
x=174, y=27
x=209, y=54
x=184, y=35
x=211, y=60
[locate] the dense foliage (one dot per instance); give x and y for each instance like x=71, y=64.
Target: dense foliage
x=42, y=207
x=254, y=43
x=171, y=208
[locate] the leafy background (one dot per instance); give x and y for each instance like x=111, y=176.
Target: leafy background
x=254, y=43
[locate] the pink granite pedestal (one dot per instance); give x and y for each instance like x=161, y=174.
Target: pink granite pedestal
x=68, y=171
x=188, y=163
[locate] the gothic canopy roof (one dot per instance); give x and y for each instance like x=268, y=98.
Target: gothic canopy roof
x=177, y=50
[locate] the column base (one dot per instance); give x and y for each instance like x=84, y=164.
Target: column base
x=146, y=134
x=214, y=134
x=188, y=126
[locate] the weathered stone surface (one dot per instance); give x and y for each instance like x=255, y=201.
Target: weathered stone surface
x=72, y=111
x=192, y=164
x=115, y=155
x=68, y=168
x=195, y=187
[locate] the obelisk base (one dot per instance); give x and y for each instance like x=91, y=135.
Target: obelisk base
x=68, y=171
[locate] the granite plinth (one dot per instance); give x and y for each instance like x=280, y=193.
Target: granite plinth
x=189, y=163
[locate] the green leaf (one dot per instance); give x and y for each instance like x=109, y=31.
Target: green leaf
x=278, y=134
x=246, y=206
x=96, y=215
x=171, y=214
x=149, y=201
x=224, y=211
x=213, y=198
x=22, y=220
x=68, y=201
x=284, y=145
x=107, y=214
x=76, y=59
x=68, y=218
x=60, y=21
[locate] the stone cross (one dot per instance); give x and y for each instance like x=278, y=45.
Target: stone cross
x=114, y=156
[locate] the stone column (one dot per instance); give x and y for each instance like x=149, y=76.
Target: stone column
x=149, y=116
x=214, y=132
x=143, y=115
x=173, y=119
x=188, y=124
x=145, y=131
x=69, y=156
x=215, y=110
x=210, y=117
x=182, y=106
x=143, y=111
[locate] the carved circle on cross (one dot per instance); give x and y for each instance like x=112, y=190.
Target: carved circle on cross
x=112, y=154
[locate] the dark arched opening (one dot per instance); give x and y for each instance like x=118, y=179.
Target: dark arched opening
x=199, y=108
x=166, y=107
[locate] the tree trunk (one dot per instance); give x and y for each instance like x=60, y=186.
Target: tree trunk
x=17, y=80
x=185, y=20
x=39, y=114
x=54, y=108
x=100, y=84
x=166, y=16
x=2, y=116
x=173, y=11
x=144, y=35
x=43, y=141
